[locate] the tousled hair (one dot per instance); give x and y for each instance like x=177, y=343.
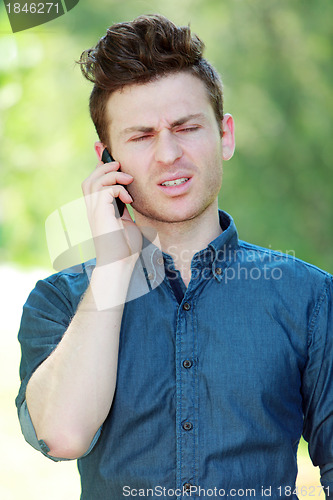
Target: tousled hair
x=141, y=51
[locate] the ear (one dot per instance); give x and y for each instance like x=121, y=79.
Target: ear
x=99, y=148
x=228, y=137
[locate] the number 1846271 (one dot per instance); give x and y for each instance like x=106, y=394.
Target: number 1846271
x=32, y=8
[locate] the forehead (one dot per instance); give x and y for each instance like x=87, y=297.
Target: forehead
x=161, y=100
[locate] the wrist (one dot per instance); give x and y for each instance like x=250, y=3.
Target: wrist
x=109, y=282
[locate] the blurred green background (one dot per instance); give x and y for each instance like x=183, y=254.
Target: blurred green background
x=275, y=58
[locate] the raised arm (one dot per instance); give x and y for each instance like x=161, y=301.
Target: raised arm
x=71, y=392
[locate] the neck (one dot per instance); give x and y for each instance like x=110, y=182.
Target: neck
x=183, y=239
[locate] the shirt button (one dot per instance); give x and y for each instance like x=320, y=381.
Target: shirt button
x=43, y=446
x=160, y=261
x=187, y=487
x=218, y=270
x=187, y=426
x=150, y=276
x=187, y=363
x=186, y=306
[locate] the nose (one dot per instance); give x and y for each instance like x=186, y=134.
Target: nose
x=167, y=148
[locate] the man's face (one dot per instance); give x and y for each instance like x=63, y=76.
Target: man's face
x=166, y=136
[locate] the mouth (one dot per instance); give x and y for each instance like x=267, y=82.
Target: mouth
x=175, y=182
x=176, y=187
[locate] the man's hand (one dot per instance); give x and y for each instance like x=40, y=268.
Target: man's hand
x=114, y=238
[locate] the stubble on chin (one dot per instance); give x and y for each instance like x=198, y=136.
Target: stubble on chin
x=162, y=212
x=146, y=214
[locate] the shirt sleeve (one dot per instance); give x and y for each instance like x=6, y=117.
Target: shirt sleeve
x=317, y=387
x=30, y=436
x=46, y=316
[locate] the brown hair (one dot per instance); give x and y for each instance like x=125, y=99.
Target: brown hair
x=138, y=52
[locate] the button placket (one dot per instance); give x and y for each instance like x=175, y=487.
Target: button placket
x=186, y=392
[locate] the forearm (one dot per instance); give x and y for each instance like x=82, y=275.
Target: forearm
x=70, y=394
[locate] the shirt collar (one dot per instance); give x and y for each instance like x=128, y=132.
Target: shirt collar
x=227, y=241
x=221, y=251
x=224, y=247
x=218, y=254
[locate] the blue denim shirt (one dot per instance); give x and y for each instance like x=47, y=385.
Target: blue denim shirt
x=216, y=383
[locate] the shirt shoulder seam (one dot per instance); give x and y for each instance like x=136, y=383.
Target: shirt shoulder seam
x=316, y=309
x=70, y=273
x=268, y=251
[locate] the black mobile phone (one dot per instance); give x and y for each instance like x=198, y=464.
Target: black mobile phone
x=106, y=158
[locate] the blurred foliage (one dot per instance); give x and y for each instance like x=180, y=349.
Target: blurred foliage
x=275, y=60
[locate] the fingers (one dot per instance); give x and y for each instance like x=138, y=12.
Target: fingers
x=117, y=191
x=101, y=188
x=105, y=175
x=101, y=170
x=108, y=180
x=106, y=196
x=114, y=178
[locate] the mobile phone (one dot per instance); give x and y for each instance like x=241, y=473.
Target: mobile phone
x=106, y=158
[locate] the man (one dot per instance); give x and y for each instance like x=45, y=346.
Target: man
x=202, y=386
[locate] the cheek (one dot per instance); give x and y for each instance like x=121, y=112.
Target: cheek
x=133, y=163
x=214, y=171
x=215, y=160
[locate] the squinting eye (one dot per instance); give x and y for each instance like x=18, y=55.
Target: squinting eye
x=189, y=129
x=141, y=138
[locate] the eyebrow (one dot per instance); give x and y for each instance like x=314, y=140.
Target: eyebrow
x=176, y=123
